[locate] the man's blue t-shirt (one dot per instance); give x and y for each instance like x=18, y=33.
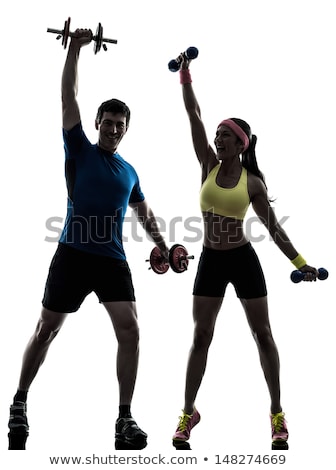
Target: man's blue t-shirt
x=100, y=187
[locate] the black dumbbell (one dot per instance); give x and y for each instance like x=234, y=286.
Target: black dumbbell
x=175, y=64
x=98, y=38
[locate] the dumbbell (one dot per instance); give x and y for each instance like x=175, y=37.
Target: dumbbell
x=178, y=260
x=175, y=64
x=298, y=276
x=98, y=38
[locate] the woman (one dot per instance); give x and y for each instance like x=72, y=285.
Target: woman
x=231, y=180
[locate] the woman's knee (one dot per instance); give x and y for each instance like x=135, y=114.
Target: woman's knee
x=202, y=338
x=263, y=337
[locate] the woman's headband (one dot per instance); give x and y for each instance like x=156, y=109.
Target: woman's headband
x=237, y=130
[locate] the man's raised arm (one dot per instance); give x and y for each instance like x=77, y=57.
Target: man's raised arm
x=70, y=109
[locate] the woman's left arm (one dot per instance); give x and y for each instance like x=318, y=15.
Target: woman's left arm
x=266, y=214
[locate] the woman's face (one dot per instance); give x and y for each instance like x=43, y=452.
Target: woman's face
x=227, y=143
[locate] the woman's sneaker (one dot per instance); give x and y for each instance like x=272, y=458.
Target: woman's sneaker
x=279, y=431
x=128, y=435
x=185, y=425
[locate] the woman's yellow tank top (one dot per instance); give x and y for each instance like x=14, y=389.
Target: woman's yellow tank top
x=228, y=202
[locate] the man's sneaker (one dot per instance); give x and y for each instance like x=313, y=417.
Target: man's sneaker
x=128, y=434
x=279, y=428
x=185, y=425
x=18, y=426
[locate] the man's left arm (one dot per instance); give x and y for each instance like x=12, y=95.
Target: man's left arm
x=148, y=221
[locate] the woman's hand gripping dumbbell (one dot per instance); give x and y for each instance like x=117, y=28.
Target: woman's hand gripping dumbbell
x=298, y=276
x=175, y=64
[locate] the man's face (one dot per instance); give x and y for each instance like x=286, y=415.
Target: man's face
x=112, y=129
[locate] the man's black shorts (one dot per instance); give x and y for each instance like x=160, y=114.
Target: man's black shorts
x=239, y=266
x=73, y=274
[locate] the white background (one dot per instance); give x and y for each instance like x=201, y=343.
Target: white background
x=268, y=62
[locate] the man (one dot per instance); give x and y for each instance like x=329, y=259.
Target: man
x=90, y=256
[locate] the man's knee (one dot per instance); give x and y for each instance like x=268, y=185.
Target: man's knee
x=45, y=333
x=129, y=334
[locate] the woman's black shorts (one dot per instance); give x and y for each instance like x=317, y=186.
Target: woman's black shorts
x=73, y=274
x=240, y=266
